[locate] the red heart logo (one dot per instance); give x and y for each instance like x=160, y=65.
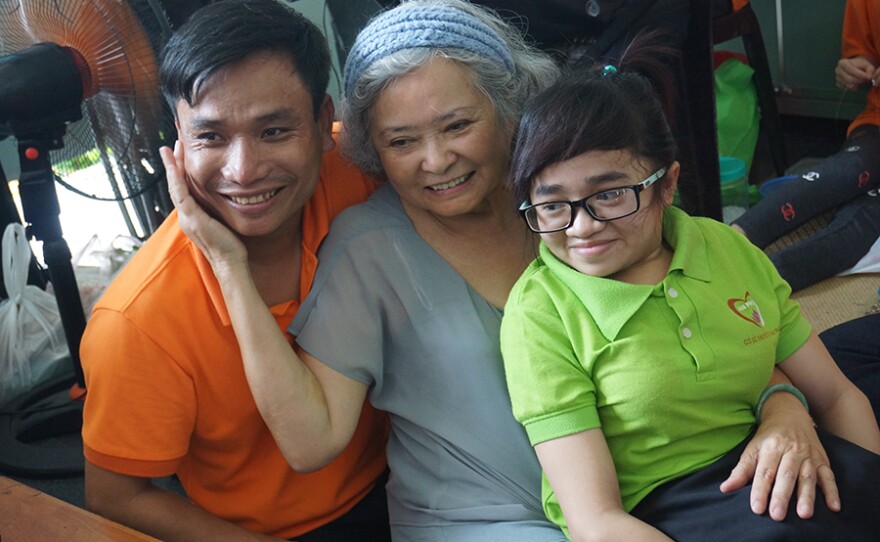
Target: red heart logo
x=746, y=309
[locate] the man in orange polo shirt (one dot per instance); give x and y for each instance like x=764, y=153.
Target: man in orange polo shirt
x=167, y=392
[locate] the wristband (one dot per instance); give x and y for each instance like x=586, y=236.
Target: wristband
x=770, y=390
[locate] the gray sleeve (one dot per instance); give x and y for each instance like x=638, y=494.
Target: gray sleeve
x=340, y=322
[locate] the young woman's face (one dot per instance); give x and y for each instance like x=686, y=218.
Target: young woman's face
x=439, y=141
x=629, y=249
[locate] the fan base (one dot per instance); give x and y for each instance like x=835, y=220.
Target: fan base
x=31, y=428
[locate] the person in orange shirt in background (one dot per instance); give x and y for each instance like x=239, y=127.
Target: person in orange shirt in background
x=167, y=392
x=846, y=182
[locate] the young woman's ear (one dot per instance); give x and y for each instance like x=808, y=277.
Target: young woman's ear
x=671, y=183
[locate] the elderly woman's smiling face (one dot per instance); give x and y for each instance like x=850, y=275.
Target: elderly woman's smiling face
x=439, y=140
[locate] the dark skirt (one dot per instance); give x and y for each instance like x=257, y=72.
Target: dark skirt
x=693, y=508
x=855, y=346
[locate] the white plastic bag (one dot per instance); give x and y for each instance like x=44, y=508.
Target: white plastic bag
x=31, y=333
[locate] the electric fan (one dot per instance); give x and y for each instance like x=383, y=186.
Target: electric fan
x=79, y=92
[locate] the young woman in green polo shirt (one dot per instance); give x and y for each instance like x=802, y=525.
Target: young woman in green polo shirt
x=638, y=344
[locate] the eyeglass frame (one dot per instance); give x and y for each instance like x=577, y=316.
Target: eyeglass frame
x=638, y=188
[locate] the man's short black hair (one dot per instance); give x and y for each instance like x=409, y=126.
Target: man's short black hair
x=227, y=32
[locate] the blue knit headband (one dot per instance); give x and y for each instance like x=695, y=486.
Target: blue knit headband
x=429, y=26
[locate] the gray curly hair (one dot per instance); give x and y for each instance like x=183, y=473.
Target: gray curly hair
x=507, y=90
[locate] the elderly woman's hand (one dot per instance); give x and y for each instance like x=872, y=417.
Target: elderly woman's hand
x=223, y=249
x=784, y=454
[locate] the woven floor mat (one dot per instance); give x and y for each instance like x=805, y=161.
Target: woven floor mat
x=839, y=299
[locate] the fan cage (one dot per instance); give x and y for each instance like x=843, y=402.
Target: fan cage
x=111, y=154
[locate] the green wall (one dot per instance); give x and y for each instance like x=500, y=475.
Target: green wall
x=810, y=51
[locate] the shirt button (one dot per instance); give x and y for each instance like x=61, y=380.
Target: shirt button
x=673, y=293
x=686, y=332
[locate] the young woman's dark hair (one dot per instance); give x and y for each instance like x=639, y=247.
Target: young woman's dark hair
x=223, y=34
x=609, y=107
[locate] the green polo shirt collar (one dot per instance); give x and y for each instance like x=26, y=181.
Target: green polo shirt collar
x=612, y=303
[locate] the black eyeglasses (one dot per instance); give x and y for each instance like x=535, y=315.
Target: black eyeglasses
x=552, y=216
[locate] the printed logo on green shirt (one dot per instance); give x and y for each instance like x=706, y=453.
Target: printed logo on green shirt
x=746, y=309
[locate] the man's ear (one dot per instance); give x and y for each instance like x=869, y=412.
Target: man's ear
x=326, y=115
x=668, y=192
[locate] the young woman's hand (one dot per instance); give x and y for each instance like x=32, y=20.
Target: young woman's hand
x=784, y=459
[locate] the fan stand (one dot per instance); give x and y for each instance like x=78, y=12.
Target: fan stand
x=55, y=407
